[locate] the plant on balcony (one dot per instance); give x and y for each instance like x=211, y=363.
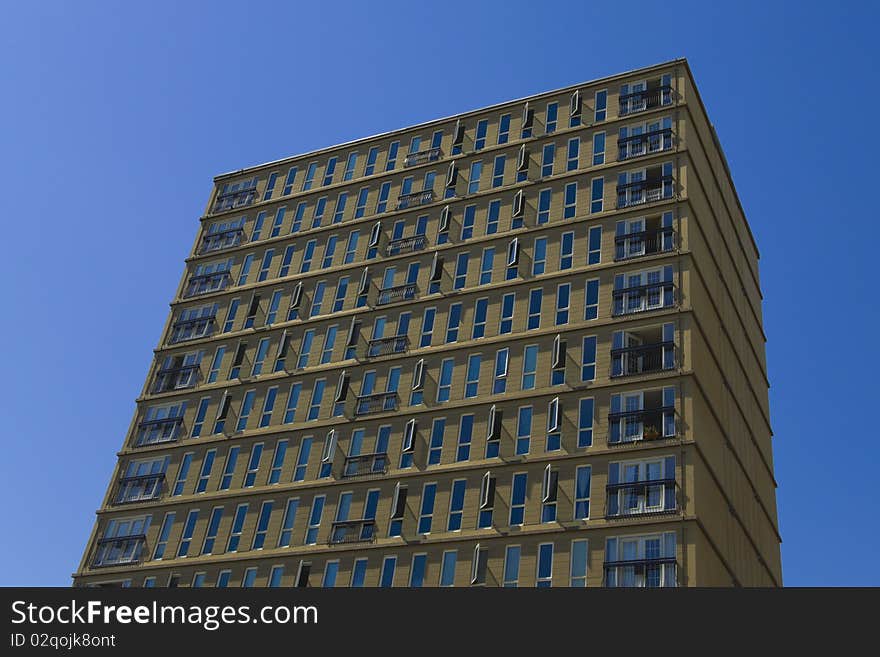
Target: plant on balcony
x=651, y=433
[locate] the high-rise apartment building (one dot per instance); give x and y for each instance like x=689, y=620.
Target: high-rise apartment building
x=521, y=346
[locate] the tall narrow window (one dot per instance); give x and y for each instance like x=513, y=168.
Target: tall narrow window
x=600, y=105
x=426, y=514
x=473, y=376
x=579, y=557
x=518, y=489
x=505, y=323
x=548, y=154
x=465, y=436
x=570, y=209
x=444, y=387
x=480, y=134
x=582, y=492
x=563, y=300
x=591, y=299
x=262, y=525
x=237, y=526
x=453, y=321
x=523, y=430
x=511, y=566
x=598, y=148
x=551, y=117
x=487, y=501
x=302, y=459
x=474, y=177
x=544, y=200
x=456, y=504
x=289, y=181
x=530, y=366
x=574, y=148
x=535, y=298
x=597, y=195
x=498, y=171
x=435, y=449
x=315, y=520
x=594, y=255
x=502, y=359
x=393, y=148
x=481, y=308
x=503, y=129
x=213, y=528
x=549, y=486
x=585, y=422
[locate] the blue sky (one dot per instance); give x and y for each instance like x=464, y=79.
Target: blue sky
x=116, y=116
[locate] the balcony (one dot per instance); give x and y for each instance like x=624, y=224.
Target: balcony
x=640, y=192
x=642, y=351
x=205, y=283
x=176, y=378
x=414, y=199
x=640, y=101
x=655, y=141
x=651, y=423
x=155, y=432
x=365, y=465
x=642, y=298
x=222, y=240
x=421, y=157
x=191, y=329
x=142, y=488
x=641, y=498
x=377, y=403
x=641, y=573
x=644, y=243
x=405, y=292
x=397, y=344
x=352, y=531
x=119, y=551
x=236, y=199
x=406, y=245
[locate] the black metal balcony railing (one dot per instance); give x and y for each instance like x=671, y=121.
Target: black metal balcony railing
x=406, y=245
x=655, y=141
x=641, y=498
x=651, y=572
x=415, y=198
x=141, y=488
x=191, y=329
x=642, y=359
x=119, y=551
x=236, y=199
x=635, y=245
x=640, y=192
x=642, y=424
x=421, y=157
x=352, y=531
x=397, y=344
x=176, y=378
x=640, y=101
x=405, y=292
x=204, y=283
x=642, y=298
x=377, y=403
x=153, y=432
x=222, y=240
x=365, y=465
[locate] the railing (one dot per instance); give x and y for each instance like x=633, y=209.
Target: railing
x=405, y=292
x=406, y=244
x=377, y=403
x=640, y=101
x=649, y=573
x=628, y=361
x=222, y=240
x=655, y=141
x=639, y=192
x=235, y=199
x=204, y=283
x=641, y=498
x=642, y=298
x=636, y=245
x=153, y=432
x=421, y=157
x=365, y=465
x=415, y=198
x=397, y=344
x=141, y=488
x=176, y=378
x=119, y=551
x=641, y=424
x=352, y=531
x=191, y=329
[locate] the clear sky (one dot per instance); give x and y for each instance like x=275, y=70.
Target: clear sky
x=115, y=117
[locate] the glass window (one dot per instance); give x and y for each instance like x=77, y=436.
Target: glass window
x=447, y=569
x=545, y=565
x=511, y=566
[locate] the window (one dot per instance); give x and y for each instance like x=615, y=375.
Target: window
x=453, y=321
x=341, y=291
x=318, y=216
x=305, y=348
x=275, y=576
x=386, y=579
x=188, y=528
x=600, y=105
x=447, y=568
x=310, y=176
x=502, y=359
x=544, y=200
x=315, y=520
x=646, y=290
x=487, y=501
x=574, y=110
x=518, y=210
x=591, y=299
x=582, y=493
x=247, y=406
x=657, y=551
x=382, y=199
x=407, y=447
x=597, y=196
x=262, y=525
x=579, y=555
x=585, y=422
x=329, y=341
x=594, y=255
x=327, y=454
x=275, y=301
x=302, y=459
x=511, y=566
x=558, y=361
x=588, y=358
x=223, y=579
x=308, y=254
x=253, y=465
x=461, y=268
x=530, y=366
x=545, y=565
x=296, y=225
x=505, y=324
x=329, y=171
x=480, y=135
x=211, y=532
x=257, y=231
x=288, y=182
x=279, y=221
x=229, y=469
x=473, y=376
x=512, y=259
x=182, y=474
x=417, y=396
x=359, y=573
x=350, y=165
x=456, y=504
x=492, y=217
x=598, y=148
x=480, y=311
x=570, y=208
x=552, y=113
x=554, y=425
x=563, y=296
x=528, y=118
x=498, y=171
x=426, y=515
x=278, y=461
x=503, y=129
x=518, y=490
x=465, y=435
x=539, y=256
x=162, y=540
x=292, y=402
x=535, y=298
x=237, y=525
x=548, y=154
x=302, y=574
x=317, y=395
x=200, y=417
x=372, y=156
x=398, y=509
x=417, y=571
x=427, y=327
x=574, y=147
x=523, y=430
x=268, y=405
x=474, y=178
x=245, y=269
x=438, y=428
x=204, y=475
